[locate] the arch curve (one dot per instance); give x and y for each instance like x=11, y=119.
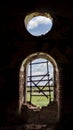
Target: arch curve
x=23, y=73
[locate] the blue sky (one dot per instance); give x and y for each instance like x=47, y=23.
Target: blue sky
x=39, y=25
x=39, y=69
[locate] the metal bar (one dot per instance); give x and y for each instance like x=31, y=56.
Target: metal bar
x=42, y=78
x=39, y=88
x=38, y=75
x=39, y=95
x=24, y=86
x=39, y=62
x=38, y=80
x=48, y=82
x=30, y=82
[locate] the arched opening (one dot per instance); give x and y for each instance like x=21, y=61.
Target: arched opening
x=39, y=83
x=25, y=78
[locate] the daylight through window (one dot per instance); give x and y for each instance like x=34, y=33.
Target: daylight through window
x=38, y=24
x=40, y=82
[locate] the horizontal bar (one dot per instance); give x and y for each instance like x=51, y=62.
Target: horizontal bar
x=39, y=75
x=40, y=86
x=38, y=63
x=38, y=80
x=40, y=95
x=40, y=91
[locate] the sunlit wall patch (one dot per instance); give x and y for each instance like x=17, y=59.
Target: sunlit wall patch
x=38, y=24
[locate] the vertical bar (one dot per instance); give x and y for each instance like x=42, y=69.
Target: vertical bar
x=48, y=82
x=25, y=85
x=30, y=81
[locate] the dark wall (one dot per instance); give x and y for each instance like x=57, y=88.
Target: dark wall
x=15, y=45
x=11, y=59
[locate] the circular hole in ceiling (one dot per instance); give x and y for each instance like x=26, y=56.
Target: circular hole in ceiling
x=38, y=24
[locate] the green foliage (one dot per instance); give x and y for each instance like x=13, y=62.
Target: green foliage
x=38, y=98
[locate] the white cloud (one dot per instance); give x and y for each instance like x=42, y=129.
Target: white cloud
x=41, y=69
x=34, y=22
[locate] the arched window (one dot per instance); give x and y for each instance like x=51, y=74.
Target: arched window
x=38, y=80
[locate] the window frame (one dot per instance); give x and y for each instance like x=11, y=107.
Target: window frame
x=23, y=75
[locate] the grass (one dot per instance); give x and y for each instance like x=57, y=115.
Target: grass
x=40, y=99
